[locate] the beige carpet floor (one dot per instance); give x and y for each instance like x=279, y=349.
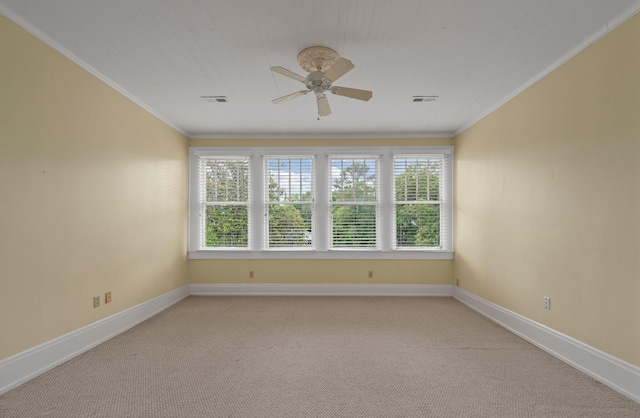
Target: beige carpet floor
x=315, y=357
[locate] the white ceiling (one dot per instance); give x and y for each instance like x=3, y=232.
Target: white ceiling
x=166, y=54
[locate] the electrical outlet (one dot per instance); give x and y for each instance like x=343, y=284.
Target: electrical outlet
x=547, y=302
x=251, y=274
x=370, y=274
x=458, y=282
x=96, y=301
x=107, y=297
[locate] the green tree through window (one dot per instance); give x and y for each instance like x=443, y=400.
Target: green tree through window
x=290, y=202
x=226, y=205
x=354, y=210
x=418, y=204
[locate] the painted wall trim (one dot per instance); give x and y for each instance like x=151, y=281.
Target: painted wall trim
x=607, y=369
x=321, y=289
x=24, y=366
x=351, y=135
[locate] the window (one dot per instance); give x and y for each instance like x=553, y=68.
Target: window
x=354, y=202
x=418, y=188
x=321, y=203
x=290, y=198
x=224, y=185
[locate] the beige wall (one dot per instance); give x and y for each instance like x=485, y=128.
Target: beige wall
x=548, y=199
x=320, y=271
x=93, y=197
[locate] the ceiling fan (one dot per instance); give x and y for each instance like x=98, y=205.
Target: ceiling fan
x=324, y=66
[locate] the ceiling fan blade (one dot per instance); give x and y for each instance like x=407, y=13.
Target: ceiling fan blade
x=352, y=93
x=338, y=69
x=288, y=73
x=323, y=106
x=289, y=96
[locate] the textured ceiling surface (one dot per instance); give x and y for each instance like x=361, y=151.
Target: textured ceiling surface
x=166, y=55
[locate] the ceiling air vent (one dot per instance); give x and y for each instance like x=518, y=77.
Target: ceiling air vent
x=215, y=99
x=423, y=99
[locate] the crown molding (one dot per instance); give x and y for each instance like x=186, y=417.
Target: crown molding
x=18, y=20
x=597, y=35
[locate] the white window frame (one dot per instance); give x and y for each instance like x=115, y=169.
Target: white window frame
x=198, y=210
x=375, y=203
x=445, y=212
x=266, y=246
x=322, y=222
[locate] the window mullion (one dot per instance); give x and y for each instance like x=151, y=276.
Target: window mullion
x=385, y=201
x=446, y=208
x=322, y=225
x=257, y=204
x=197, y=207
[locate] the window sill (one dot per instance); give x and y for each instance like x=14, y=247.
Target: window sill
x=321, y=255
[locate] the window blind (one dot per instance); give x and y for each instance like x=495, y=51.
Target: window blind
x=419, y=192
x=224, y=185
x=354, y=201
x=289, y=200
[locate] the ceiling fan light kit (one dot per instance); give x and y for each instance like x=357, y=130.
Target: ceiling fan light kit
x=324, y=66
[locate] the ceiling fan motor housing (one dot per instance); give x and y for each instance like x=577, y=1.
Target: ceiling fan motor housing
x=317, y=83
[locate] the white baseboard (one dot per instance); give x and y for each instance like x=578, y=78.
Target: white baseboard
x=24, y=366
x=275, y=289
x=613, y=372
x=607, y=369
